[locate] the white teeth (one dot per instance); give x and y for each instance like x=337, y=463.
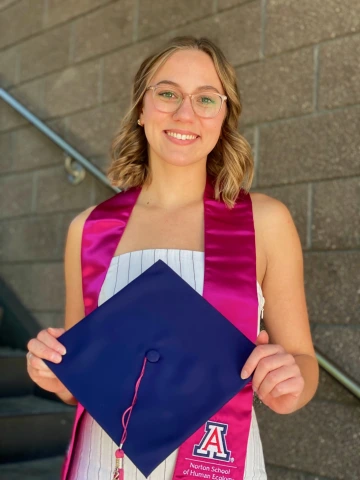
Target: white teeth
x=181, y=137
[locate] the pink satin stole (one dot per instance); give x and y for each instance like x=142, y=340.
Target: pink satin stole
x=229, y=285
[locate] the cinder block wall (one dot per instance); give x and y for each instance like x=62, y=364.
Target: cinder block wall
x=72, y=64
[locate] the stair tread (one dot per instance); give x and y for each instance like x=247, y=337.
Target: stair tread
x=11, y=352
x=30, y=404
x=44, y=469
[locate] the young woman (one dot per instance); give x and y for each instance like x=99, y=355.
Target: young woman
x=179, y=140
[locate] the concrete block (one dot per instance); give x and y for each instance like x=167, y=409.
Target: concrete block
x=30, y=95
x=50, y=319
x=56, y=194
x=48, y=286
x=279, y=473
x=159, y=17
x=341, y=344
x=59, y=11
x=278, y=87
x=6, y=3
x=16, y=194
x=6, y=154
x=92, y=131
x=102, y=193
x=29, y=239
x=9, y=60
x=332, y=282
x=120, y=68
x=19, y=21
x=237, y=32
x=330, y=390
x=20, y=278
x=339, y=71
x=313, y=439
x=44, y=53
x=40, y=286
x=103, y=30
x=295, y=197
x=336, y=220
x=308, y=149
x=32, y=150
x=222, y=4
x=75, y=88
x=101, y=161
x=291, y=24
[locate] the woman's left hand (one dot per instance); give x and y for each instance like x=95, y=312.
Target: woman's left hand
x=277, y=378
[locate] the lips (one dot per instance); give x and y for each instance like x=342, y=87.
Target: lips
x=181, y=134
x=181, y=139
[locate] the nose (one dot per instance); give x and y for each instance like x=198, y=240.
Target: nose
x=185, y=112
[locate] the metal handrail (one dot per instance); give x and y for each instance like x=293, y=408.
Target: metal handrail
x=324, y=362
x=72, y=152
x=338, y=374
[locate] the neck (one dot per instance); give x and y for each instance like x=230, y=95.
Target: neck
x=170, y=192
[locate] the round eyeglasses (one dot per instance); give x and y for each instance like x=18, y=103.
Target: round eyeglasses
x=169, y=100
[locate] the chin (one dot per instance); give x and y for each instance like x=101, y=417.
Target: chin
x=181, y=161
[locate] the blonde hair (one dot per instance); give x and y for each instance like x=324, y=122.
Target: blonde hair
x=230, y=163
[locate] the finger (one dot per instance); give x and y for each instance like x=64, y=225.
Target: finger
x=35, y=373
x=39, y=349
x=267, y=365
x=38, y=363
x=263, y=338
x=56, y=332
x=293, y=386
x=276, y=377
x=259, y=352
x=46, y=337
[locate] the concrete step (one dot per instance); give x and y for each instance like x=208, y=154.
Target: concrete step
x=45, y=469
x=32, y=427
x=14, y=379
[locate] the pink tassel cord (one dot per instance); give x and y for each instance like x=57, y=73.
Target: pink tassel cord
x=119, y=454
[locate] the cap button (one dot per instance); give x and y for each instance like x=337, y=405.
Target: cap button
x=153, y=356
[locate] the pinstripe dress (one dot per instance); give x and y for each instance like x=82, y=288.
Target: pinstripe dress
x=94, y=457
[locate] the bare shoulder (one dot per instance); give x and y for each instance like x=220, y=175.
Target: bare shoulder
x=274, y=226
x=77, y=223
x=74, y=307
x=268, y=210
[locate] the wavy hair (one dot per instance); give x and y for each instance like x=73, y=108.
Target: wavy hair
x=230, y=164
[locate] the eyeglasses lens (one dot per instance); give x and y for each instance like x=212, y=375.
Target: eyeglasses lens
x=205, y=105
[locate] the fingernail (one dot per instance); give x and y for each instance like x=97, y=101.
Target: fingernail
x=244, y=374
x=61, y=350
x=254, y=388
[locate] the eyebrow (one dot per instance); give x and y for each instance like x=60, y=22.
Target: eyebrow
x=203, y=87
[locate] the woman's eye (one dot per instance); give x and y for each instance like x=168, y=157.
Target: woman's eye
x=206, y=100
x=168, y=94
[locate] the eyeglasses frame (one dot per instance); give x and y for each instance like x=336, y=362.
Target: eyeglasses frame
x=223, y=99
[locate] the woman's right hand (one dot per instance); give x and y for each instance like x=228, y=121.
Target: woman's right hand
x=46, y=347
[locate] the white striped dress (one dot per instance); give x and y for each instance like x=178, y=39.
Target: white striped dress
x=94, y=457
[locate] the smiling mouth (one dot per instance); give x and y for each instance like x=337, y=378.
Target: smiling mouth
x=180, y=136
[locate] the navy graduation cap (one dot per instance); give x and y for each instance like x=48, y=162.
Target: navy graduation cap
x=152, y=364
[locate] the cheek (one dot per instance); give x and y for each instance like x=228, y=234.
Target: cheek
x=213, y=132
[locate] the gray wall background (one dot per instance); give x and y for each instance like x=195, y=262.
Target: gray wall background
x=72, y=63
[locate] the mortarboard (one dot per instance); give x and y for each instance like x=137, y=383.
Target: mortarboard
x=193, y=354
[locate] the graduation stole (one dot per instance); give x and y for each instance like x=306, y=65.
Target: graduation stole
x=217, y=449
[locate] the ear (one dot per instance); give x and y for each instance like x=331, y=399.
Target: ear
x=141, y=116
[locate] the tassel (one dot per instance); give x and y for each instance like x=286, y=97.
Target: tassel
x=119, y=468
x=119, y=454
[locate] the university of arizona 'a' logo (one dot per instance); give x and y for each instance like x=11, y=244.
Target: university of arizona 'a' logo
x=213, y=443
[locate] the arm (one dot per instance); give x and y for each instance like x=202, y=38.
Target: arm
x=284, y=362
x=45, y=345
x=74, y=305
